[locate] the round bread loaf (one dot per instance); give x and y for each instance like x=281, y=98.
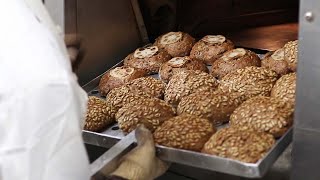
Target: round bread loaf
x=285, y=89
x=152, y=86
x=275, y=61
x=118, y=77
x=169, y=68
x=264, y=114
x=210, y=48
x=99, y=114
x=250, y=81
x=291, y=54
x=216, y=106
x=177, y=44
x=151, y=112
x=232, y=60
x=240, y=144
x=186, y=82
x=184, y=132
x=148, y=59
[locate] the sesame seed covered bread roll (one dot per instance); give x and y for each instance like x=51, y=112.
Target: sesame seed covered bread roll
x=250, y=81
x=216, y=106
x=151, y=112
x=291, y=54
x=184, y=132
x=99, y=114
x=186, y=82
x=264, y=114
x=285, y=89
x=240, y=144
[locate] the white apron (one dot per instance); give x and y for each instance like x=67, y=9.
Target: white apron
x=42, y=106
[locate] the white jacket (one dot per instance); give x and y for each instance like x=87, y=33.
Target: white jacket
x=41, y=103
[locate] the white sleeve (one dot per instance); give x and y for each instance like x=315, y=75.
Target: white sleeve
x=39, y=124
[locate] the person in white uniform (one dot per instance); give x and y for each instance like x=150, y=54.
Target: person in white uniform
x=42, y=106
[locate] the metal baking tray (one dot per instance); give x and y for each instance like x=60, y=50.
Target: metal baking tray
x=112, y=135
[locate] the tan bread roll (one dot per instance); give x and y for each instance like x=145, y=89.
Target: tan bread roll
x=275, y=61
x=169, y=68
x=186, y=82
x=99, y=114
x=118, y=77
x=232, y=60
x=250, y=81
x=148, y=59
x=264, y=114
x=177, y=44
x=216, y=106
x=184, y=132
x=151, y=112
x=240, y=144
x=210, y=48
x=152, y=86
x=285, y=89
x=291, y=54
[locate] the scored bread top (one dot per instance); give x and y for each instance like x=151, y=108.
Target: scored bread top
x=177, y=44
x=169, y=68
x=275, y=61
x=210, y=48
x=232, y=60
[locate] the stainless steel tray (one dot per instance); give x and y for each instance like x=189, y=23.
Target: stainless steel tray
x=112, y=135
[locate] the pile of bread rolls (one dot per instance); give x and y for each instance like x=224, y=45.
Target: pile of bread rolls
x=201, y=85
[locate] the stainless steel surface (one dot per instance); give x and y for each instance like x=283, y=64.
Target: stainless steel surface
x=109, y=32
x=140, y=21
x=108, y=161
x=307, y=125
x=309, y=16
x=110, y=136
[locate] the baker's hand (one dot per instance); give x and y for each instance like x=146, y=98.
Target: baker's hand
x=75, y=50
x=141, y=163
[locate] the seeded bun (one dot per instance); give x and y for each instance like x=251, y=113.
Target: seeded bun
x=275, y=61
x=210, y=48
x=232, y=60
x=152, y=86
x=186, y=82
x=291, y=54
x=177, y=44
x=264, y=114
x=125, y=94
x=99, y=114
x=118, y=77
x=216, y=106
x=169, y=68
x=240, y=144
x=151, y=112
x=285, y=89
x=184, y=132
x=250, y=81
x=148, y=59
